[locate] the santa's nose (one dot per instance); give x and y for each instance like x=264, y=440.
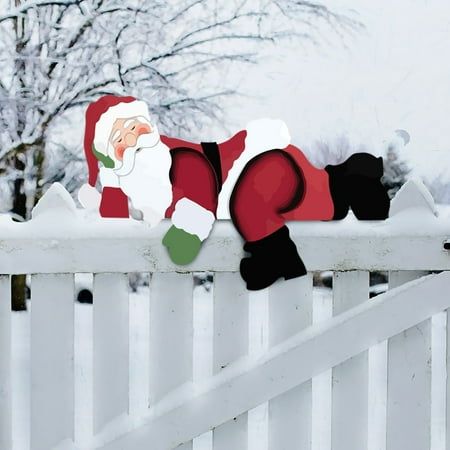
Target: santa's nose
x=130, y=139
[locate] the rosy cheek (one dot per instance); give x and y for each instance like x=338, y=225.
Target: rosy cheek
x=143, y=129
x=119, y=150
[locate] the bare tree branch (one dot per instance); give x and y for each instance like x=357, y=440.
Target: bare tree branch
x=19, y=11
x=183, y=11
x=218, y=24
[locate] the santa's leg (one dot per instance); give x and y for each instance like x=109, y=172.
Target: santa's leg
x=356, y=184
x=270, y=184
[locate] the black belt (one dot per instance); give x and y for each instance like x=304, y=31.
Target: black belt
x=211, y=151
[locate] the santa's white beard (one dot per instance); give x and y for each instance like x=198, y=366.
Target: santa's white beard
x=148, y=184
x=147, y=140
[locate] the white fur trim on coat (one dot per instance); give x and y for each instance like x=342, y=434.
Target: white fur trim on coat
x=104, y=125
x=262, y=135
x=89, y=197
x=193, y=218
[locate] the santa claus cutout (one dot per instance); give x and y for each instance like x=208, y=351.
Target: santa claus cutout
x=256, y=178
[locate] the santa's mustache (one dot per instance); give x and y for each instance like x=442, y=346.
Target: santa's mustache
x=144, y=141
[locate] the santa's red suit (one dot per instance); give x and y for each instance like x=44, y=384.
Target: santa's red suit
x=260, y=181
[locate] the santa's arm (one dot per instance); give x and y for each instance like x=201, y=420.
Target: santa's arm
x=111, y=202
x=194, y=204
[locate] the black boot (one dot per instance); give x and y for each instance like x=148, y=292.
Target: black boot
x=272, y=257
x=356, y=184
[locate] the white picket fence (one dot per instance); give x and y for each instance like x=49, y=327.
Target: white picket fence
x=371, y=376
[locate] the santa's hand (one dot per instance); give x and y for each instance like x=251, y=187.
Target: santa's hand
x=183, y=247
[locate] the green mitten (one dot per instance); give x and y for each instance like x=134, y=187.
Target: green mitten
x=183, y=247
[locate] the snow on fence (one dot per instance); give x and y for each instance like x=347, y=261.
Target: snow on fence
x=366, y=377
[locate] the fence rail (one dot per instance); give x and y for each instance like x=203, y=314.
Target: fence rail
x=344, y=373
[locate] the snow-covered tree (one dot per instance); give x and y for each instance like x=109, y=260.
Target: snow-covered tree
x=331, y=151
x=396, y=168
x=57, y=55
x=440, y=188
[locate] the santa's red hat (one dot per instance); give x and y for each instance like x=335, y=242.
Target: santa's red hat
x=100, y=118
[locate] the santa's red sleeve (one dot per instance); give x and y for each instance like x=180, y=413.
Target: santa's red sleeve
x=194, y=190
x=114, y=203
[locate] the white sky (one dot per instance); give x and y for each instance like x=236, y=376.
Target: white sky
x=394, y=74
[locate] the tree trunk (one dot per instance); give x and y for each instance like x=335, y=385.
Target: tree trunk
x=19, y=196
x=22, y=209
x=18, y=288
x=38, y=161
x=18, y=293
x=18, y=284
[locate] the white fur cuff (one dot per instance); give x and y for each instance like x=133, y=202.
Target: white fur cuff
x=89, y=197
x=108, y=177
x=193, y=218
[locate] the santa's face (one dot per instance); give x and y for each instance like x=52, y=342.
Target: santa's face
x=127, y=137
x=126, y=132
x=143, y=163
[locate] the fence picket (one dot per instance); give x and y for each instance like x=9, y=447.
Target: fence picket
x=171, y=335
x=111, y=348
x=52, y=353
x=231, y=309
x=350, y=379
x=438, y=380
x=447, y=419
x=258, y=345
x=5, y=363
x=376, y=435
x=409, y=381
x=139, y=350
x=290, y=311
x=321, y=383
